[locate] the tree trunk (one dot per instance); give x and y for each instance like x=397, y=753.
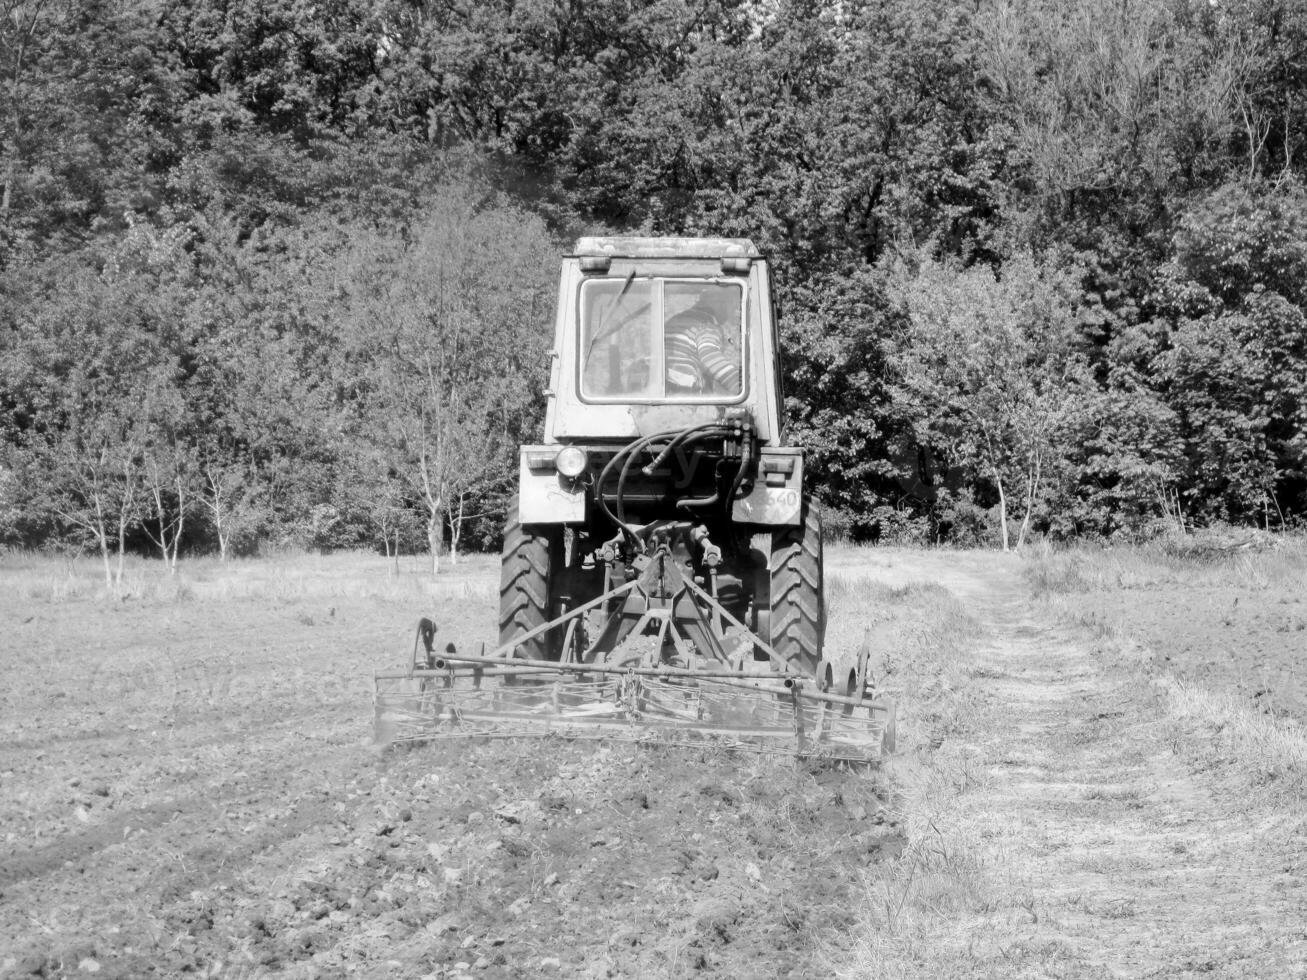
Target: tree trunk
x=455, y=530
x=1002, y=510
x=126, y=508
x=433, y=540
x=161, y=516
x=218, y=526
x=122, y=547
x=215, y=504
x=103, y=537
x=181, y=524
x=1032, y=486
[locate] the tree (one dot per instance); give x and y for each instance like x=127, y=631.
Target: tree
x=443, y=348
x=368, y=485
x=170, y=472
x=1230, y=354
x=20, y=20
x=88, y=124
x=92, y=470
x=1113, y=105
x=81, y=441
x=1128, y=452
x=988, y=372
x=838, y=404
x=258, y=387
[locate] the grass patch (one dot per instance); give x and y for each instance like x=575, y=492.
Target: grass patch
x=1218, y=558
x=923, y=643
x=57, y=579
x=916, y=632
x=1046, y=858
x=1219, y=728
x=950, y=873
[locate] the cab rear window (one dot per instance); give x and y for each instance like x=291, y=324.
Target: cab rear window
x=661, y=339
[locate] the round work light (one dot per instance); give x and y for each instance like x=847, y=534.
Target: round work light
x=570, y=461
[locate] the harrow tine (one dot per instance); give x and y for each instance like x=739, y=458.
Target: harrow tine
x=637, y=689
x=641, y=705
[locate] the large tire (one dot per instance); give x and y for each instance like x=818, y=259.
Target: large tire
x=525, y=582
x=798, y=606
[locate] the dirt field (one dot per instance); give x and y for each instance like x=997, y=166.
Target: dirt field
x=187, y=786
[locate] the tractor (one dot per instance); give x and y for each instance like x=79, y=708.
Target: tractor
x=662, y=567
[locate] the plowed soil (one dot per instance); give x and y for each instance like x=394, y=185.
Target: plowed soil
x=188, y=787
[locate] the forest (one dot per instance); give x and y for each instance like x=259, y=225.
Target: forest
x=281, y=273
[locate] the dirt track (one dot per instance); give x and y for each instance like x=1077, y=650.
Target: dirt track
x=1113, y=836
x=1146, y=866
x=186, y=786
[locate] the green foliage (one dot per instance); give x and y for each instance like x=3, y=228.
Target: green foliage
x=232, y=232
x=1232, y=351
x=442, y=355
x=838, y=406
x=1127, y=458
x=989, y=371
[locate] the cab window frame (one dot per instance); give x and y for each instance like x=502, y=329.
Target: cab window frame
x=657, y=316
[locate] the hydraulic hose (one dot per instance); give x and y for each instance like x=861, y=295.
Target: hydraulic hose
x=626, y=452
x=746, y=457
x=684, y=437
x=627, y=456
x=746, y=454
x=676, y=438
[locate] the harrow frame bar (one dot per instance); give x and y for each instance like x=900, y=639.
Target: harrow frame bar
x=741, y=702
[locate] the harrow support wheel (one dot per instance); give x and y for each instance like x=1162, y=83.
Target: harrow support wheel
x=526, y=573
x=798, y=606
x=825, y=675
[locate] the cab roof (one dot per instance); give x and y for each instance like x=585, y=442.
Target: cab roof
x=631, y=247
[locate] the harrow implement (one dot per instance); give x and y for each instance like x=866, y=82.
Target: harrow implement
x=668, y=664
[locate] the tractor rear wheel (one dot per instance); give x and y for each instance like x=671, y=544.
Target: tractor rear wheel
x=798, y=607
x=526, y=575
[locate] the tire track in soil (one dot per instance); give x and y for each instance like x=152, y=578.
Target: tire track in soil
x=147, y=874
x=208, y=733
x=189, y=809
x=1138, y=864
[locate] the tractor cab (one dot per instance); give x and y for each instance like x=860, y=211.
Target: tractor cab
x=652, y=333
x=663, y=336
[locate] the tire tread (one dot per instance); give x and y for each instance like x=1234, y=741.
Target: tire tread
x=798, y=614
x=524, y=584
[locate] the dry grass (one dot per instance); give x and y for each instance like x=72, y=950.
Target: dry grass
x=1054, y=825
x=921, y=912
x=922, y=636
x=57, y=579
x=1211, y=728
x=1256, y=561
x=1268, y=754
x=917, y=632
